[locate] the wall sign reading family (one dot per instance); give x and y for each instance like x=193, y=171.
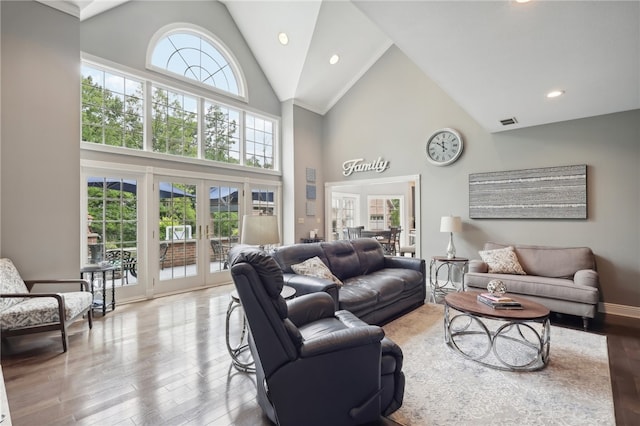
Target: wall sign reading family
x=360, y=165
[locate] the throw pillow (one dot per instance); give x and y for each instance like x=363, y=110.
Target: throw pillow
x=315, y=267
x=502, y=261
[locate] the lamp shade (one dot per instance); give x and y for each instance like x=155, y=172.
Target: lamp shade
x=450, y=224
x=259, y=230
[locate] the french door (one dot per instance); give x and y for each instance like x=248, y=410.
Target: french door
x=176, y=232
x=198, y=223
x=345, y=209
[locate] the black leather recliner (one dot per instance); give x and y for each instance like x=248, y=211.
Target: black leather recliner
x=314, y=365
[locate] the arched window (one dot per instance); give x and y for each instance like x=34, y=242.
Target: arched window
x=190, y=54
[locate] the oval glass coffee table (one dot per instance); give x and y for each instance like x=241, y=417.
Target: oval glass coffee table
x=504, y=339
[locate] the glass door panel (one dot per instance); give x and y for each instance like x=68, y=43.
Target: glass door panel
x=177, y=230
x=112, y=226
x=344, y=210
x=222, y=229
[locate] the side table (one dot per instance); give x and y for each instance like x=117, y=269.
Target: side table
x=97, y=269
x=245, y=363
x=449, y=267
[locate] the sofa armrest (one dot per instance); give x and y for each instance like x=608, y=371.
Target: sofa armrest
x=587, y=277
x=84, y=284
x=404, y=263
x=476, y=265
x=310, y=307
x=305, y=284
x=342, y=339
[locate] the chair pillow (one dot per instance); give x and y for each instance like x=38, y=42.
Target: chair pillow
x=10, y=283
x=502, y=261
x=315, y=267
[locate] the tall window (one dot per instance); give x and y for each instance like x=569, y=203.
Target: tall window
x=113, y=113
x=384, y=212
x=112, y=108
x=344, y=211
x=187, y=54
x=259, y=137
x=263, y=201
x=221, y=133
x=175, y=123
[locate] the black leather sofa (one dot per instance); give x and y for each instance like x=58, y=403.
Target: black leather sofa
x=315, y=366
x=376, y=288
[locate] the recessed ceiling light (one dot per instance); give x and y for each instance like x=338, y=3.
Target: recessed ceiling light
x=283, y=38
x=334, y=59
x=523, y=1
x=555, y=93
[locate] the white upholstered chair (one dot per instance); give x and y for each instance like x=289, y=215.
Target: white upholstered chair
x=24, y=312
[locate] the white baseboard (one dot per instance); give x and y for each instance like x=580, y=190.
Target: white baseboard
x=621, y=310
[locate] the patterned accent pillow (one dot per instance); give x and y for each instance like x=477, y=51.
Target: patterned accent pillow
x=502, y=261
x=10, y=283
x=315, y=267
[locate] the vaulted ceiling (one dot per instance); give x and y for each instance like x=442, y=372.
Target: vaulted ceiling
x=497, y=59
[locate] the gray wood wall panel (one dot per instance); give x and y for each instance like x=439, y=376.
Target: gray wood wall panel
x=543, y=193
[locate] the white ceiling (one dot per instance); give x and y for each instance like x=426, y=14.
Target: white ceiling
x=497, y=59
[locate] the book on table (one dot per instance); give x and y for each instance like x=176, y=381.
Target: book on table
x=504, y=303
x=497, y=299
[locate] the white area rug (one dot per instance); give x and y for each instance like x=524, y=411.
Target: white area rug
x=443, y=388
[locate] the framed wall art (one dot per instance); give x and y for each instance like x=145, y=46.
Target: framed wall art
x=544, y=193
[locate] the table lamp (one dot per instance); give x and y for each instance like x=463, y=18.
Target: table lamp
x=451, y=224
x=260, y=230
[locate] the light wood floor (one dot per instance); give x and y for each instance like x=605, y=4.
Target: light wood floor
x=164, y=362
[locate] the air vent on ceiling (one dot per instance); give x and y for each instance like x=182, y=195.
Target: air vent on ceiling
x=508, y=121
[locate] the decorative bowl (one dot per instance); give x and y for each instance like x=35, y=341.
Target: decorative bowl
x=497, y=287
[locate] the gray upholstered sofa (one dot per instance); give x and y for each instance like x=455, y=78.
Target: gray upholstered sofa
x=376, y=288
x=564, y=279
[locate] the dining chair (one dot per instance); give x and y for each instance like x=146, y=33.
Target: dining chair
x=394, y=239
x=164, y=247
x=354, y=232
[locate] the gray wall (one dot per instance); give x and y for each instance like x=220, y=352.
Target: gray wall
x=308, y=154
x=40, y=167
x=392, y=110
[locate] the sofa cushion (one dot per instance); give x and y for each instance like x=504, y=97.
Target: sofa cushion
x=551, y=288
x=43, y=310
x=388, y=287
x=411, y=278
x=10, y=283
x=342, y=259
x=502, y=261
x=370, y=254
x=354, y=297
x=297, y=253
x=553, y=262
x=314, y=267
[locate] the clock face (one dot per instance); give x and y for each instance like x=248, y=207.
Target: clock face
x=444, y=147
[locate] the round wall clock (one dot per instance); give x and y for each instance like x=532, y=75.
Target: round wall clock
x=444, y=147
